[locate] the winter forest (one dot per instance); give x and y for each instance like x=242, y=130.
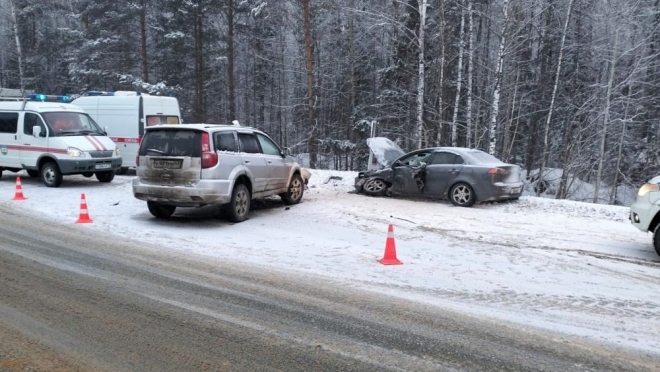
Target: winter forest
x=572, y=85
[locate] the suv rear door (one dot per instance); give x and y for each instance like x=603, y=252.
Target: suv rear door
x=170, y=157
x=253, y=161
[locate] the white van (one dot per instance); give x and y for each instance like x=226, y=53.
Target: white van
x=49, y=137
x=126, y=114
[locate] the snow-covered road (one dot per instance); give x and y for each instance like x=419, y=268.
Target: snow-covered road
x=559, y=265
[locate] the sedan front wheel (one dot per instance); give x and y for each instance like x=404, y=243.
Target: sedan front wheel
x=375, y=187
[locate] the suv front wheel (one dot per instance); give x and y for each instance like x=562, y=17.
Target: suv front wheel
x=239, y=206
x=295, y=192
x=656, y=239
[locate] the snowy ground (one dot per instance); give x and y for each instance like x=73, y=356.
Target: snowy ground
x=565, y=266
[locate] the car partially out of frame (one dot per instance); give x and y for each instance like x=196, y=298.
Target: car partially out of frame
x=461, y=175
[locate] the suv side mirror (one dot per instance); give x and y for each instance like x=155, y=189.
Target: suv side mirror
x=286, y=152
x=36, y=131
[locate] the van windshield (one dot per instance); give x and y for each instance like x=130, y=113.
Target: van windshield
x=71, y=124
x=161, y=119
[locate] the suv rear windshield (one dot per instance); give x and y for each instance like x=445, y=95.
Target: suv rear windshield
x=171, y=142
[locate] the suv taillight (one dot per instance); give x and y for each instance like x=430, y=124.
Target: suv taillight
x=209, y=157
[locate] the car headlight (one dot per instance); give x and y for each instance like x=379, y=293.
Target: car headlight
x=117, y=151
x=76, y=153
x=647, y=188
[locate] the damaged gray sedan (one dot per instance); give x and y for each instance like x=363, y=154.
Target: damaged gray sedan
x=464, y=176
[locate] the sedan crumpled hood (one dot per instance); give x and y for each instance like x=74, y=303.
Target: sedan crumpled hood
x=385, y=151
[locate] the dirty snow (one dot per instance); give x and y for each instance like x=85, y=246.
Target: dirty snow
x=564, y=266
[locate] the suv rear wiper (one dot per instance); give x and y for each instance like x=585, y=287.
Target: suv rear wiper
x=156, y=151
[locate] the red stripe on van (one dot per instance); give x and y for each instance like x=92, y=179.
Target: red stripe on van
x=99, y=142
x=125, y=139
x=93, y=143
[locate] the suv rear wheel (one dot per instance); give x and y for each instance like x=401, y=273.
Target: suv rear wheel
x=239, y=206
x=296, y=190
x=159, y=210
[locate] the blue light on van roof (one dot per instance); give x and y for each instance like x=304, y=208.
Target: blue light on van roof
x=48, y=98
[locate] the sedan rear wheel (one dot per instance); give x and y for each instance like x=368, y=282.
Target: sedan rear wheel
x=375, y=187
x=462, y=195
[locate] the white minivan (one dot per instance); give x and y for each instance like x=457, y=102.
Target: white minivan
x=49, y=138
x=125, y=114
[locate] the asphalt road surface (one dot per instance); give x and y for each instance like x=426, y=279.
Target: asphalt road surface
x=71, y=300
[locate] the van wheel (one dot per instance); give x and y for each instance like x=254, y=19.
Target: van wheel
x=105, y=176
x=295, y=193
x=159, y=210
x=88, y=174
x=33, y=173
x=51, y=175
x=239, y=206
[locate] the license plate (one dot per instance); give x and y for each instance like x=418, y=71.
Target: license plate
x=103, y=166
x=515, y=190
x=166, y=164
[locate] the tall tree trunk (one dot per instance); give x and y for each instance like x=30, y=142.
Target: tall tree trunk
x=606, y=118
x=454, y=129
x=441, y=89
x=143, y=41
x=620, y=152
x=468, y=108
x=544, y=154
x=19, y=50
x=419, y=130
x=230, y=62
x=492, y=133
x=309, y=63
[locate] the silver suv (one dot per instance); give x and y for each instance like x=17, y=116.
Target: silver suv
x=193, y=165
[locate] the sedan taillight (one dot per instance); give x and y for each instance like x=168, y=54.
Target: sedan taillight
x=497, y=171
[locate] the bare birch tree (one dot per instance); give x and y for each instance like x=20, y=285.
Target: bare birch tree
x=420, y=84
x=19, y=50
x=492, y=134
x=459, y=79
x=544, y=155
x=606, y=117
x=468, y=108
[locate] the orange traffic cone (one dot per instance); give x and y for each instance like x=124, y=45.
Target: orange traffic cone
x=19, y=190
x=84, y=215
x=390, y=249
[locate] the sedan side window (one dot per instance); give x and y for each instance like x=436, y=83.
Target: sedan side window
x=226, y=141
x=443, y=158
x=249, y=143
x=416, y=160
x=269, y=147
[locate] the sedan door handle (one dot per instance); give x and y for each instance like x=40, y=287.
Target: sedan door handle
x=270, y=162
x=246, y=161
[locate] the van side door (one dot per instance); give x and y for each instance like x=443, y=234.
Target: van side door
x=9, y=147
x=254, y=162
x=32, y=147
